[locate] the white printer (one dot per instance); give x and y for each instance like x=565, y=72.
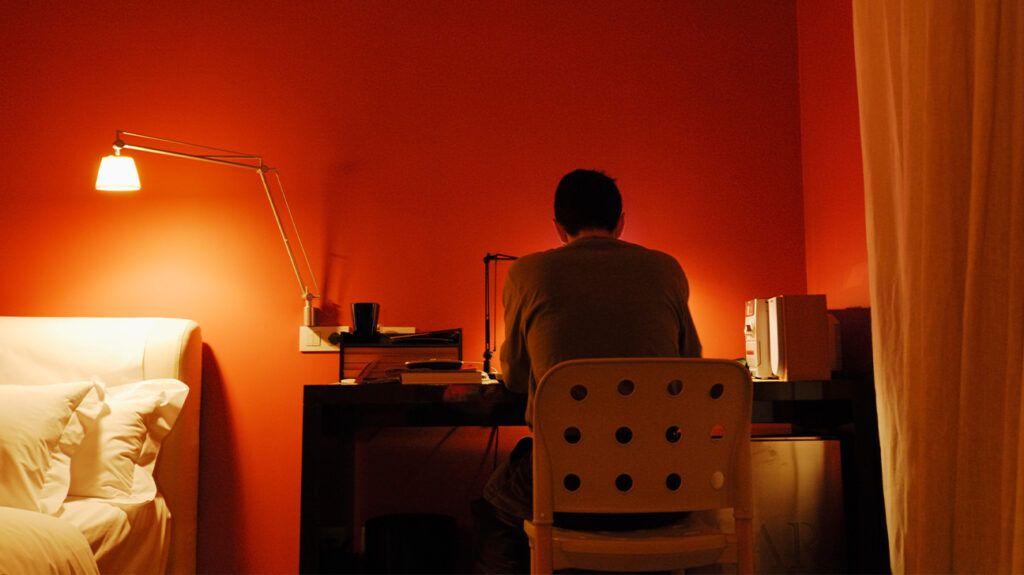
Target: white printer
x=788, y=338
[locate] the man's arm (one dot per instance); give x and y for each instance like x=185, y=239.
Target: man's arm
x=689, y=341
x=515, y=360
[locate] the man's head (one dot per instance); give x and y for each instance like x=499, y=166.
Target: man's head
x=587, y=201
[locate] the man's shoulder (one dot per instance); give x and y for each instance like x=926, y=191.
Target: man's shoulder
x=591, y=250
x=652, y=252
x=656, y=256
x=527, y=261
x=537, y=260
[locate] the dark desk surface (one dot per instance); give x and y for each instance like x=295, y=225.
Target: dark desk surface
x=334, y=415
x=389, y=395
x=418, y=405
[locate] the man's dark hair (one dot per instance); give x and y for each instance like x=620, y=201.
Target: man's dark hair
x=587, y=199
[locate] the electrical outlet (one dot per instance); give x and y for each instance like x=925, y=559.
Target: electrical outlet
x=316, y=338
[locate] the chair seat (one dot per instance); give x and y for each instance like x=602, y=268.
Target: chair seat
x=661, y=549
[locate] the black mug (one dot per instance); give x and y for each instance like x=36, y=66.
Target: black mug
x=364, y=318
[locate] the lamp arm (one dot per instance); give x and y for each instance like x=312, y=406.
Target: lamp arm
x=487, y=316
x=499, y=257
x=217, y=157
x=238, y=160
x=488, y=259
x=306, y=294
x=200, y=157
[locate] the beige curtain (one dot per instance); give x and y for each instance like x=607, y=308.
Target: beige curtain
x=941, y=87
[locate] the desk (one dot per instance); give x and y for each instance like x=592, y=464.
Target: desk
x=335, y=415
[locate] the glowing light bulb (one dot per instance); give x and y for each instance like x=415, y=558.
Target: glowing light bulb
x=118, y=174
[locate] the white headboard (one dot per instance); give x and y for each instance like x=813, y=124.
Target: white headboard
x=40, y=350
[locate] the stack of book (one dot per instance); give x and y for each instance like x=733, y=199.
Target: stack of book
x=441, y=376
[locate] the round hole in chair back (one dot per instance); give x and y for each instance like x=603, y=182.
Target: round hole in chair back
x=626, y=387
x=673, y=434
x=578, y=392
x=673, y=481
x=624, y=482
x=571, y=482
x=675, y=387
x=572, y=435
x=717, y=390
x=623, y=435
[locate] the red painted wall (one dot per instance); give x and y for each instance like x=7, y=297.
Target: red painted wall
x=412, y=138
x=833, y=177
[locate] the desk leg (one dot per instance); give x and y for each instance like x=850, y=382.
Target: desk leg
x=326, y=532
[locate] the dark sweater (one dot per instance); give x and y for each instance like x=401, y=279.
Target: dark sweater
x=593, y=297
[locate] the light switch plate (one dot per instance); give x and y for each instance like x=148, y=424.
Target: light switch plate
x=316, y=338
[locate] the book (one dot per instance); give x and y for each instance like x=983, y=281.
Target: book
x=441, y=376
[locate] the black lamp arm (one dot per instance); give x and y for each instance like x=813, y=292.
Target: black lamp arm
x=488, y=259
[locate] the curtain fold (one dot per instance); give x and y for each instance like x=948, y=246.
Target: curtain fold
x=941, y=89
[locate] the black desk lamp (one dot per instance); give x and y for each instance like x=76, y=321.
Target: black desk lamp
x=489, y=261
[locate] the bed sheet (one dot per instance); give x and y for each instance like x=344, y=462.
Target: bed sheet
x=127, y=536
x=33, y=542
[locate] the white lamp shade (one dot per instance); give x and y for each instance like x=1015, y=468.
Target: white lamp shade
x=118, y=174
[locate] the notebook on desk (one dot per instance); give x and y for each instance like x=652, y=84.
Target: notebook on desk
x=441, y=376
x=443, y=336
x=386, y=370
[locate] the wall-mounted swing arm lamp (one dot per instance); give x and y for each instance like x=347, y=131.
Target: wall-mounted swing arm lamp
x=117, y=173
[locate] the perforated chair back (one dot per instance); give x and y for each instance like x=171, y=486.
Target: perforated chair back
x=642, y=435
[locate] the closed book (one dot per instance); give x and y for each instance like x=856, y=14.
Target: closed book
x=441, y=376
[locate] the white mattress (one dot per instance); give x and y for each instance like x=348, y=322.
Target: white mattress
x=125, y=537
x=32, y=542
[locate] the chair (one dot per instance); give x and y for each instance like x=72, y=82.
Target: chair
x=641, y=435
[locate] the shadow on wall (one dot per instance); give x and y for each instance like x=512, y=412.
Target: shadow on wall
x=219, y=498
x=333, y=279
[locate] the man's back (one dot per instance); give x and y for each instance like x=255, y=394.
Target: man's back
x=594, y=297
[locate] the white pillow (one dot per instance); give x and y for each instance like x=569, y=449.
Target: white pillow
x=40, y=429
x=120, y=449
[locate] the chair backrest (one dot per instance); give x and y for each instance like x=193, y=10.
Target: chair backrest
x=642, y=435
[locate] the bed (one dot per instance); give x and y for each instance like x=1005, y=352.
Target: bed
x=99, y=444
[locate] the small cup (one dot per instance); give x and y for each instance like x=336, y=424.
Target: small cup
x=364, y=318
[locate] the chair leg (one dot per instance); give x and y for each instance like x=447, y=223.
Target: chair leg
x=541, y=551
x=744, y=546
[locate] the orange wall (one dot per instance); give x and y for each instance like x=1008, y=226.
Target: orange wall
x=413, y=138
x=833, y=178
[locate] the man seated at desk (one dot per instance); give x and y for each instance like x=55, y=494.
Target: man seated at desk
x=595, y=296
